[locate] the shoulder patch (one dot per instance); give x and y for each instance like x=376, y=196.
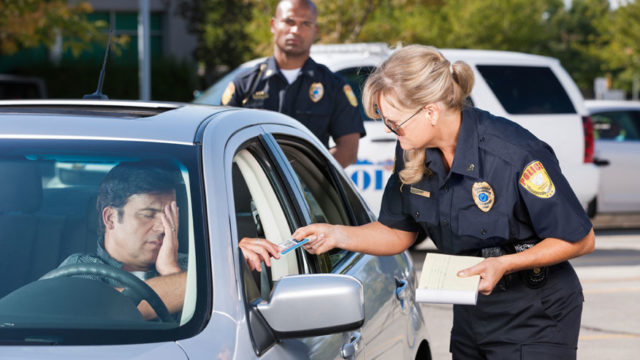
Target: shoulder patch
x=228, y=93
x=350, y=95
x=536, y=180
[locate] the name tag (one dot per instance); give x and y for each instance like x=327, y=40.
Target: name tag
x=420, y=192
x=260, y=95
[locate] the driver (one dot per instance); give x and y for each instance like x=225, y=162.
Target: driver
x=138, y=221
x=138, y=231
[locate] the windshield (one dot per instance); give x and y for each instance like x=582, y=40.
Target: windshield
x=82, y=225
x=213, y=95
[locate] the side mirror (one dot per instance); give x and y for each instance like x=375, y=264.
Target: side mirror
x=314, y=305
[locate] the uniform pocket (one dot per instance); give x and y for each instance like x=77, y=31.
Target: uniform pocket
x=547, y=351
x=422, y=208
x=478, y=224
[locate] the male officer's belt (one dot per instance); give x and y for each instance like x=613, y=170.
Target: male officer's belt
x=533, y=278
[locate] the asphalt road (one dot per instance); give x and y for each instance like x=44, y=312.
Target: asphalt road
x=610, y=279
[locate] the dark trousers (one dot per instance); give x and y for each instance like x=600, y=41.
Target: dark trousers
x=520, y=322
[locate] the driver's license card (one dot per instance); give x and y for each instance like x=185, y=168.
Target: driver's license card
x=290, y=244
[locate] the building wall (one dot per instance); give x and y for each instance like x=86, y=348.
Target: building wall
x=176, y=41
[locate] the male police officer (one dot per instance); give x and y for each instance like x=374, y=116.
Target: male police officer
x=292, y=83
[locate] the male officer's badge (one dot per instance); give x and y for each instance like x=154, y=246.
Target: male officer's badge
x=536, y=180
x=228, y=93
x=483, y=195
x=350, y=95
x=316, y=91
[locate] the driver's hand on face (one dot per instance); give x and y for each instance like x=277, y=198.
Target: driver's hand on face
x=167, y=261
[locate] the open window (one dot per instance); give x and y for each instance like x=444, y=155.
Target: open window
x=261, y=211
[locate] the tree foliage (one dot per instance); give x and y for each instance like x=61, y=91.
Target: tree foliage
x=618, y=47
x=222, y=30
x=34, y=23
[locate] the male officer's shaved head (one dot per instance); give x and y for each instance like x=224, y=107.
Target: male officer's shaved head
x=304, y=3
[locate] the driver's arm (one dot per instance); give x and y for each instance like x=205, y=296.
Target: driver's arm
x=171, y=289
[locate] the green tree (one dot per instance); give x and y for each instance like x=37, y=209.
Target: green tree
x=619, y=45
x=576, y=40
x=221, y=27
x=33, y=23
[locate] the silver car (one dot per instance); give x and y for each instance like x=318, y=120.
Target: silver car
x=243, y=173
x=616, y=128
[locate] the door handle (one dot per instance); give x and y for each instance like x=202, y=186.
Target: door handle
x=351, y=349
x=401, y=293
x=600, y=162
x=383, y=140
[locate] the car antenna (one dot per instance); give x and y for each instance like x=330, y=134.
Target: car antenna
x=98, y=95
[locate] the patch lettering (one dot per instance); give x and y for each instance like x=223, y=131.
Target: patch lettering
x=536, y=180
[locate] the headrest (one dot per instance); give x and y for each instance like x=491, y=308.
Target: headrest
x=20, y=186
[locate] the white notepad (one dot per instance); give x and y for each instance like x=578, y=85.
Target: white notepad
x=439, y=282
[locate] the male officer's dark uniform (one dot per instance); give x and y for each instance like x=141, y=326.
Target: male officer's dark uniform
x=318, y=98
x=504, y=193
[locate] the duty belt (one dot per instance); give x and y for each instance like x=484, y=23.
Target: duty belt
x=533, y=278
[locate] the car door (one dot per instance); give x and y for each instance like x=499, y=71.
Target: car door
x=618, y=143
x=325, y=195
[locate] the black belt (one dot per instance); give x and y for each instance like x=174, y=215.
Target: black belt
x=534, y=278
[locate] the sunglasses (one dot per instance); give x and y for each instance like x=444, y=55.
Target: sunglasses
x=391, y=125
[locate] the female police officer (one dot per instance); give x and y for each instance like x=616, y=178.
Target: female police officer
x=478, y=185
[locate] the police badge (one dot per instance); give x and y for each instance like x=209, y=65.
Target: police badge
x=483, y=195
x=316, y=91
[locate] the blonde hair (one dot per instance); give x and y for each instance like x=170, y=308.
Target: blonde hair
x=418, y=75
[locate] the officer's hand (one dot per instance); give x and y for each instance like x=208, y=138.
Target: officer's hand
x=167, y=260
x=490, y=270
x=322, y=237
x=257, y=250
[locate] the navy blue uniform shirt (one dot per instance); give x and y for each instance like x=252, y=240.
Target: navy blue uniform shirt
x=500, y=167
x=318, y=98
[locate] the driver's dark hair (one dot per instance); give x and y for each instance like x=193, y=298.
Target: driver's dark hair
x=131, y=178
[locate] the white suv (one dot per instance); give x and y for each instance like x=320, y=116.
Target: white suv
x=534, y=91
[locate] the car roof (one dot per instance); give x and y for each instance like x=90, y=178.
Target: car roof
x=374, y=53
x=340, y=56
x=122, y=120
x=609, y=105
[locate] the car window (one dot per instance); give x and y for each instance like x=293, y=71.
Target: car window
x=213, y=95
x=49, y=218
x=527, y=89
x=616, y=125
x=325, y=197
x=261, y=211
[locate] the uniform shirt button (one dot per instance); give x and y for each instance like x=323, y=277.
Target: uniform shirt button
x=417, y=213
x=483, y=231
x=445, y=222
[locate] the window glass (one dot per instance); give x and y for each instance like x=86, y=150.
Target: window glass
x=323, y=196
x=616, y=125
x=527, y=89
x=261, y=212
x=53, y=215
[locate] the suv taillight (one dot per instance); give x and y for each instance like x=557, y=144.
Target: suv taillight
x=587, y=125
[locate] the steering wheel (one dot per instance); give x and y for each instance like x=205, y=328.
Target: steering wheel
x=133, y=286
